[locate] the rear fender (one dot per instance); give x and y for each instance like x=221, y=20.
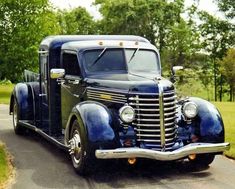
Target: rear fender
x=22, y=94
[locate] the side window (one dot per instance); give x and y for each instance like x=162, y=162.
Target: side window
x=70, y=64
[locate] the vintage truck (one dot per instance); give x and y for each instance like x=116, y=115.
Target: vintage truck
x=103, y=97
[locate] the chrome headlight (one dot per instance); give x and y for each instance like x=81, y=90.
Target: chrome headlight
x=127, y=114
x=190, y=110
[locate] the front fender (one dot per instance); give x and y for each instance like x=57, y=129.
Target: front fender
x=209, y=120
x=97, y=122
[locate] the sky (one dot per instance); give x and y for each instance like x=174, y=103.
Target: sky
x=207, y=5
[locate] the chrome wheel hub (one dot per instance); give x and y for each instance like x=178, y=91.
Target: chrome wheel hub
x=15, y=116
x=75, y=147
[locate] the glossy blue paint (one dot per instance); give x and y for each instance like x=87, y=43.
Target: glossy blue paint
x=209, y=120
x=22, y=93
x=97, y=120
x=207, y=125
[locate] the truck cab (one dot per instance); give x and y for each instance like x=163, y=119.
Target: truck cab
x=103, y=97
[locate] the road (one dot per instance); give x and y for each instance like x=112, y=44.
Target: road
x=39, y=164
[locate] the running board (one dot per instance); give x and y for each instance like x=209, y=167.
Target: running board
x=44, y=135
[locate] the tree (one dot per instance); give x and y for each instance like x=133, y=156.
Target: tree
x=23, y=24
x=228, y=7
x=76, y=21
x=217, y=36
x=151, y=19
x=228, y=70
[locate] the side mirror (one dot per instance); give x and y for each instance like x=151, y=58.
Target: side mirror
x=57, y=73
x=176, y=68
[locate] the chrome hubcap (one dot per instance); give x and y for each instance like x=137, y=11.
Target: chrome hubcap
x=15, y=115
x=75, y=147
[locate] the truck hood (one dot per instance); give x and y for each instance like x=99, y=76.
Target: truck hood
x=137, y=82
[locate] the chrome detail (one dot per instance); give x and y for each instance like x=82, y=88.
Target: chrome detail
x=193, y=148
x=106, y=95
x=155, y=119
x=75, y=147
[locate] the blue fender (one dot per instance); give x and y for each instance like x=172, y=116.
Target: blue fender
x=22, y=93
x=209, y=120
x=97, y=122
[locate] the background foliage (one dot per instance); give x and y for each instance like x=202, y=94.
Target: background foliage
x=202, y=43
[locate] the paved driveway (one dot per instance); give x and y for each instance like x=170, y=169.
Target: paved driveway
x=39, y=164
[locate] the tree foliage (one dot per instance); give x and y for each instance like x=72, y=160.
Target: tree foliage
x=151, y=19
x=228, y=7
x=23, y=24
x=76, y=21
x=228, y=70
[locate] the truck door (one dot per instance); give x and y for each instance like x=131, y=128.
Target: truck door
x=71, y=87
x=43, y=94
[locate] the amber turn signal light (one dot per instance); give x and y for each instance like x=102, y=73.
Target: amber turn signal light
x=192, y=156
x=131, y=161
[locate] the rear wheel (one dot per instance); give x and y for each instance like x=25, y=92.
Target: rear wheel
x=77, y=149
x=19, y=130
x=203, y=159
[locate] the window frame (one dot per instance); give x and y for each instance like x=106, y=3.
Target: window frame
x=74, y=53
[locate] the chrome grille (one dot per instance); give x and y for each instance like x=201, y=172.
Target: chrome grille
x=106, y=95
x=147, y=121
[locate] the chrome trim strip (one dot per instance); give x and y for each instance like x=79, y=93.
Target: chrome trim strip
x=143, y=99
x=147, y=125
x=107, y=100
x=105, y=93
x=144, y=109
x=112, y=97
x=169, y=93
x=107, y=90
x=147, y=115
x=156, y=120
x=154, y=130
x=155, y=135
x=140, y=104
x=154, y=140
x=194, y=148
x=170, y=98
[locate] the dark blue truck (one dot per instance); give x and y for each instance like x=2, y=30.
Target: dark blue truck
x=103, y=97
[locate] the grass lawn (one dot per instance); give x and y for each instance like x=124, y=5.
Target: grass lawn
x=4, y=166
x=227, y=109
x=5, y=92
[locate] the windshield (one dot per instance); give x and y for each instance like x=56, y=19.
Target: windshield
x=131, y=60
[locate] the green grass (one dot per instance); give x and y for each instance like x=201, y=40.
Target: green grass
x=227, y=110
x=5, y=169
x=5, y=92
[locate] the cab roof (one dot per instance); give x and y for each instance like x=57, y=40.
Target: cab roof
x=77, y=45
x=55, y=42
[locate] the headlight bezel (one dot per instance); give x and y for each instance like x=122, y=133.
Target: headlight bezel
x=123, y=114
x=185, y=109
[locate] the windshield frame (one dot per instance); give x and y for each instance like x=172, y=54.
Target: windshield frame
x=88, y=72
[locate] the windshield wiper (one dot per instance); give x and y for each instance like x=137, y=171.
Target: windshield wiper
x=98, y=57
x=133, y=55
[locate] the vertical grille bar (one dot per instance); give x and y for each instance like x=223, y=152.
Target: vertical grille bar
x=162, y=122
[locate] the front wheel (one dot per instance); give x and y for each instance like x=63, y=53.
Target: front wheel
x=77, y=144
x=19, y=130
x=203, y=159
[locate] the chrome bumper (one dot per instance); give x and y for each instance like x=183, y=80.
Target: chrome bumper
x=134, y=152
